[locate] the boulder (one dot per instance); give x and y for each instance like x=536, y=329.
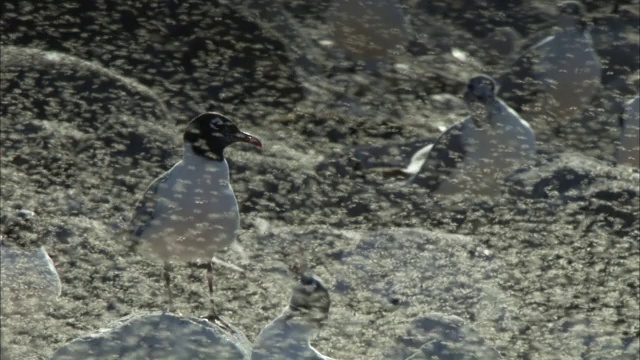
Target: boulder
x=443, y=337
x=158, y=335
x=29, y=279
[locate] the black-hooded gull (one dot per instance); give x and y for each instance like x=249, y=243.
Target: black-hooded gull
x=475, y=154
x=190, y=212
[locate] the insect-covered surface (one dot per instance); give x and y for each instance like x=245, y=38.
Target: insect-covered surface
x=94, y=101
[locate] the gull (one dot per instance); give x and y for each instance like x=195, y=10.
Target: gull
x=559, y=74
x=190, y=212
x=289, y=335
x=476, y=153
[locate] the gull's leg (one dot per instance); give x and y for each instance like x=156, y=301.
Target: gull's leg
x=213, y=315
x=167, y=283
x=210, y=277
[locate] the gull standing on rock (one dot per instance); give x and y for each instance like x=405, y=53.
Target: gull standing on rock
x=629, y=149
x=190, y=212
x=475, y=154
x=289, y=335
x=559, y=74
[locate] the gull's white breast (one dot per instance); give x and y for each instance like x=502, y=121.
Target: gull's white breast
x=570, y=69
x=196, y=213
x=491, y=153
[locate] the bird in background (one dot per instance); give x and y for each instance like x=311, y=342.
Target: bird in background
x=289, y=335
x=557, y=76
x=475, y=154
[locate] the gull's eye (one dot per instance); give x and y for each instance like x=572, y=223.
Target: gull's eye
x=307, y=281
x=215, y=123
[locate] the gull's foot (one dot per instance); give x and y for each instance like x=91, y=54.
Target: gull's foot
x=214, y=318
x=172, y=310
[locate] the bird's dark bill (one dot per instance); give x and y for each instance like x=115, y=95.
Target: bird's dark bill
x=248, y=138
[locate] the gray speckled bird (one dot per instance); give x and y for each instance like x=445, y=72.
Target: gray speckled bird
x=559, y=74
x=475, y=154
x=289, y=335
x=190, y=212
x=629, y=149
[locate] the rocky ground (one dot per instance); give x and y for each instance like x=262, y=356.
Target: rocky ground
x=94, y=97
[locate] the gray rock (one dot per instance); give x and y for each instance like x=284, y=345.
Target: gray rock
x=29, y=279
x=438, y=261
x=368, y=30
x=404, y=270
x=158, y=336
x=565, y=174
x=444, y=337
x=83, y=118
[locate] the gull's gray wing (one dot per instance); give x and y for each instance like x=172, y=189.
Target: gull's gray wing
x=520, y=85
x=443, y=158
x=146, y=206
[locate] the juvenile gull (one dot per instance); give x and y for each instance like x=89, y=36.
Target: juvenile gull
x=190, y=212
x=629, y=149
x=289, y=335
x=559, y=74
x=475, y=154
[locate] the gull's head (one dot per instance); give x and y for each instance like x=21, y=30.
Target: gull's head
x=571, y=14
x=480, y=91
x=210, y=133
x=310, y=300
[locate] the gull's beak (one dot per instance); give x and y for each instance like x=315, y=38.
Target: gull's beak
x=248, y=138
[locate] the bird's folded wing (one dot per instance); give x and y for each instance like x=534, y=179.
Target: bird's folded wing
x=519, y=84
x=146, y=206
x=443, y=157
